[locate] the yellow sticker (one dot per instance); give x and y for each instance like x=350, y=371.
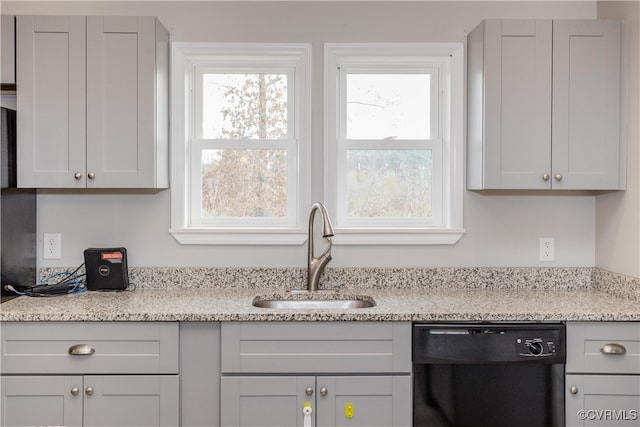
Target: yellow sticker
x=348, y=410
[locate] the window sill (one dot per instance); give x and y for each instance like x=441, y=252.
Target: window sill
x=448, y=236
x=212, y=236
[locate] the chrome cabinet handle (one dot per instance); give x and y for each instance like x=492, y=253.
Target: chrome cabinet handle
x=323, y=391
x=573, y=389
x=75, y=391
x=89, y=391
x=81, y=350
x=77, y=176
x=545, y=177
x=309, y=391
x=613, y=348
x=91, y=175
x=558, y=177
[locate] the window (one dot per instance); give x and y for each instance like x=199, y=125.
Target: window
x=240, y=146
x=393, y=138
x=240, y=124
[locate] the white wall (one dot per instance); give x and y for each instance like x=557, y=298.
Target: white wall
x=618, y=214
x=502, y=228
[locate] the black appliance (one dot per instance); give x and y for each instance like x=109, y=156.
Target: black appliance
x=106, y=269
x=17, y=214
x=488, y=375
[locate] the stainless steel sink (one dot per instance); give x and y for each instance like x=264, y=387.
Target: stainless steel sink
x=337, y=303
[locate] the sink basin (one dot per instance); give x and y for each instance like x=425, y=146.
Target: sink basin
x=311, y=303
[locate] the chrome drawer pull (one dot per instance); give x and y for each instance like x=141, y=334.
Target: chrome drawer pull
x=81, y=350
x=613, y=348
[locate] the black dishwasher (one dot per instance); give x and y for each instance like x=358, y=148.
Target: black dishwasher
x=488, y=375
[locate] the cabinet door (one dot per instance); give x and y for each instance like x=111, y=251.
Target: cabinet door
x=121, y=101
x=42, y=401
x=517, y=103
x=603, y=400
x=50, y=61
x=267, y=401
x=586, y=104
x=8, y=49
x=131, y=400
x=362, y=401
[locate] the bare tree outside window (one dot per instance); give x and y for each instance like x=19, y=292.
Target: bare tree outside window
x=388, y=182
x=244, y=182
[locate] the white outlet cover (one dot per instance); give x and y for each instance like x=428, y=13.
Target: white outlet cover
x=547, y=249
x=52, y=246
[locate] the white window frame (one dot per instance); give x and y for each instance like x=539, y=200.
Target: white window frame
x=447, y=64
x=188, y=60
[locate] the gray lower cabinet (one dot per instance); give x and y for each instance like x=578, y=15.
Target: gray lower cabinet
x=109, y=400
x=349, y=374
x=603, y=400
x=90, y=374
x=278, y=401
x=603, y=374
x=50, y=394
x=264, y=401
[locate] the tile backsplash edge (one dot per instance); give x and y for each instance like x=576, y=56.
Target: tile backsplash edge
x=569, y=278
x=617, y=284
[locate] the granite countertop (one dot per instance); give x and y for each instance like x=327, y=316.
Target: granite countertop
x=401, y=305
x=504, y=294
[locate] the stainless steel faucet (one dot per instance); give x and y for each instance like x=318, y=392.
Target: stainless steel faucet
x=315, y=266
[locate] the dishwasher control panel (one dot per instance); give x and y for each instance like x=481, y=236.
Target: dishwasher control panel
x=487, y=343
x=536, y=346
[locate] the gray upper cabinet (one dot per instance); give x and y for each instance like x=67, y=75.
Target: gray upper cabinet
x=51, y=63
x=586, y=143
x=93, y=102
x=8, y=50
x=544, y=105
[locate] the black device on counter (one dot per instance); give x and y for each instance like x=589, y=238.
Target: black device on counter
x=106, y=269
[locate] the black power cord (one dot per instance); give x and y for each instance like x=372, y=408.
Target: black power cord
x=69, y=282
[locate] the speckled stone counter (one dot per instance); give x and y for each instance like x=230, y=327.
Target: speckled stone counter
x=504, y=294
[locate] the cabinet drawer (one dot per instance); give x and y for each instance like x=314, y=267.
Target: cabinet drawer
x=326, y=347
x=587, y=347
x=602, y=400
x=119, y=348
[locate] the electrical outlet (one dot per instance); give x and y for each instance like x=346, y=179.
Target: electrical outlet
x=547, y=249
x=52, y=246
